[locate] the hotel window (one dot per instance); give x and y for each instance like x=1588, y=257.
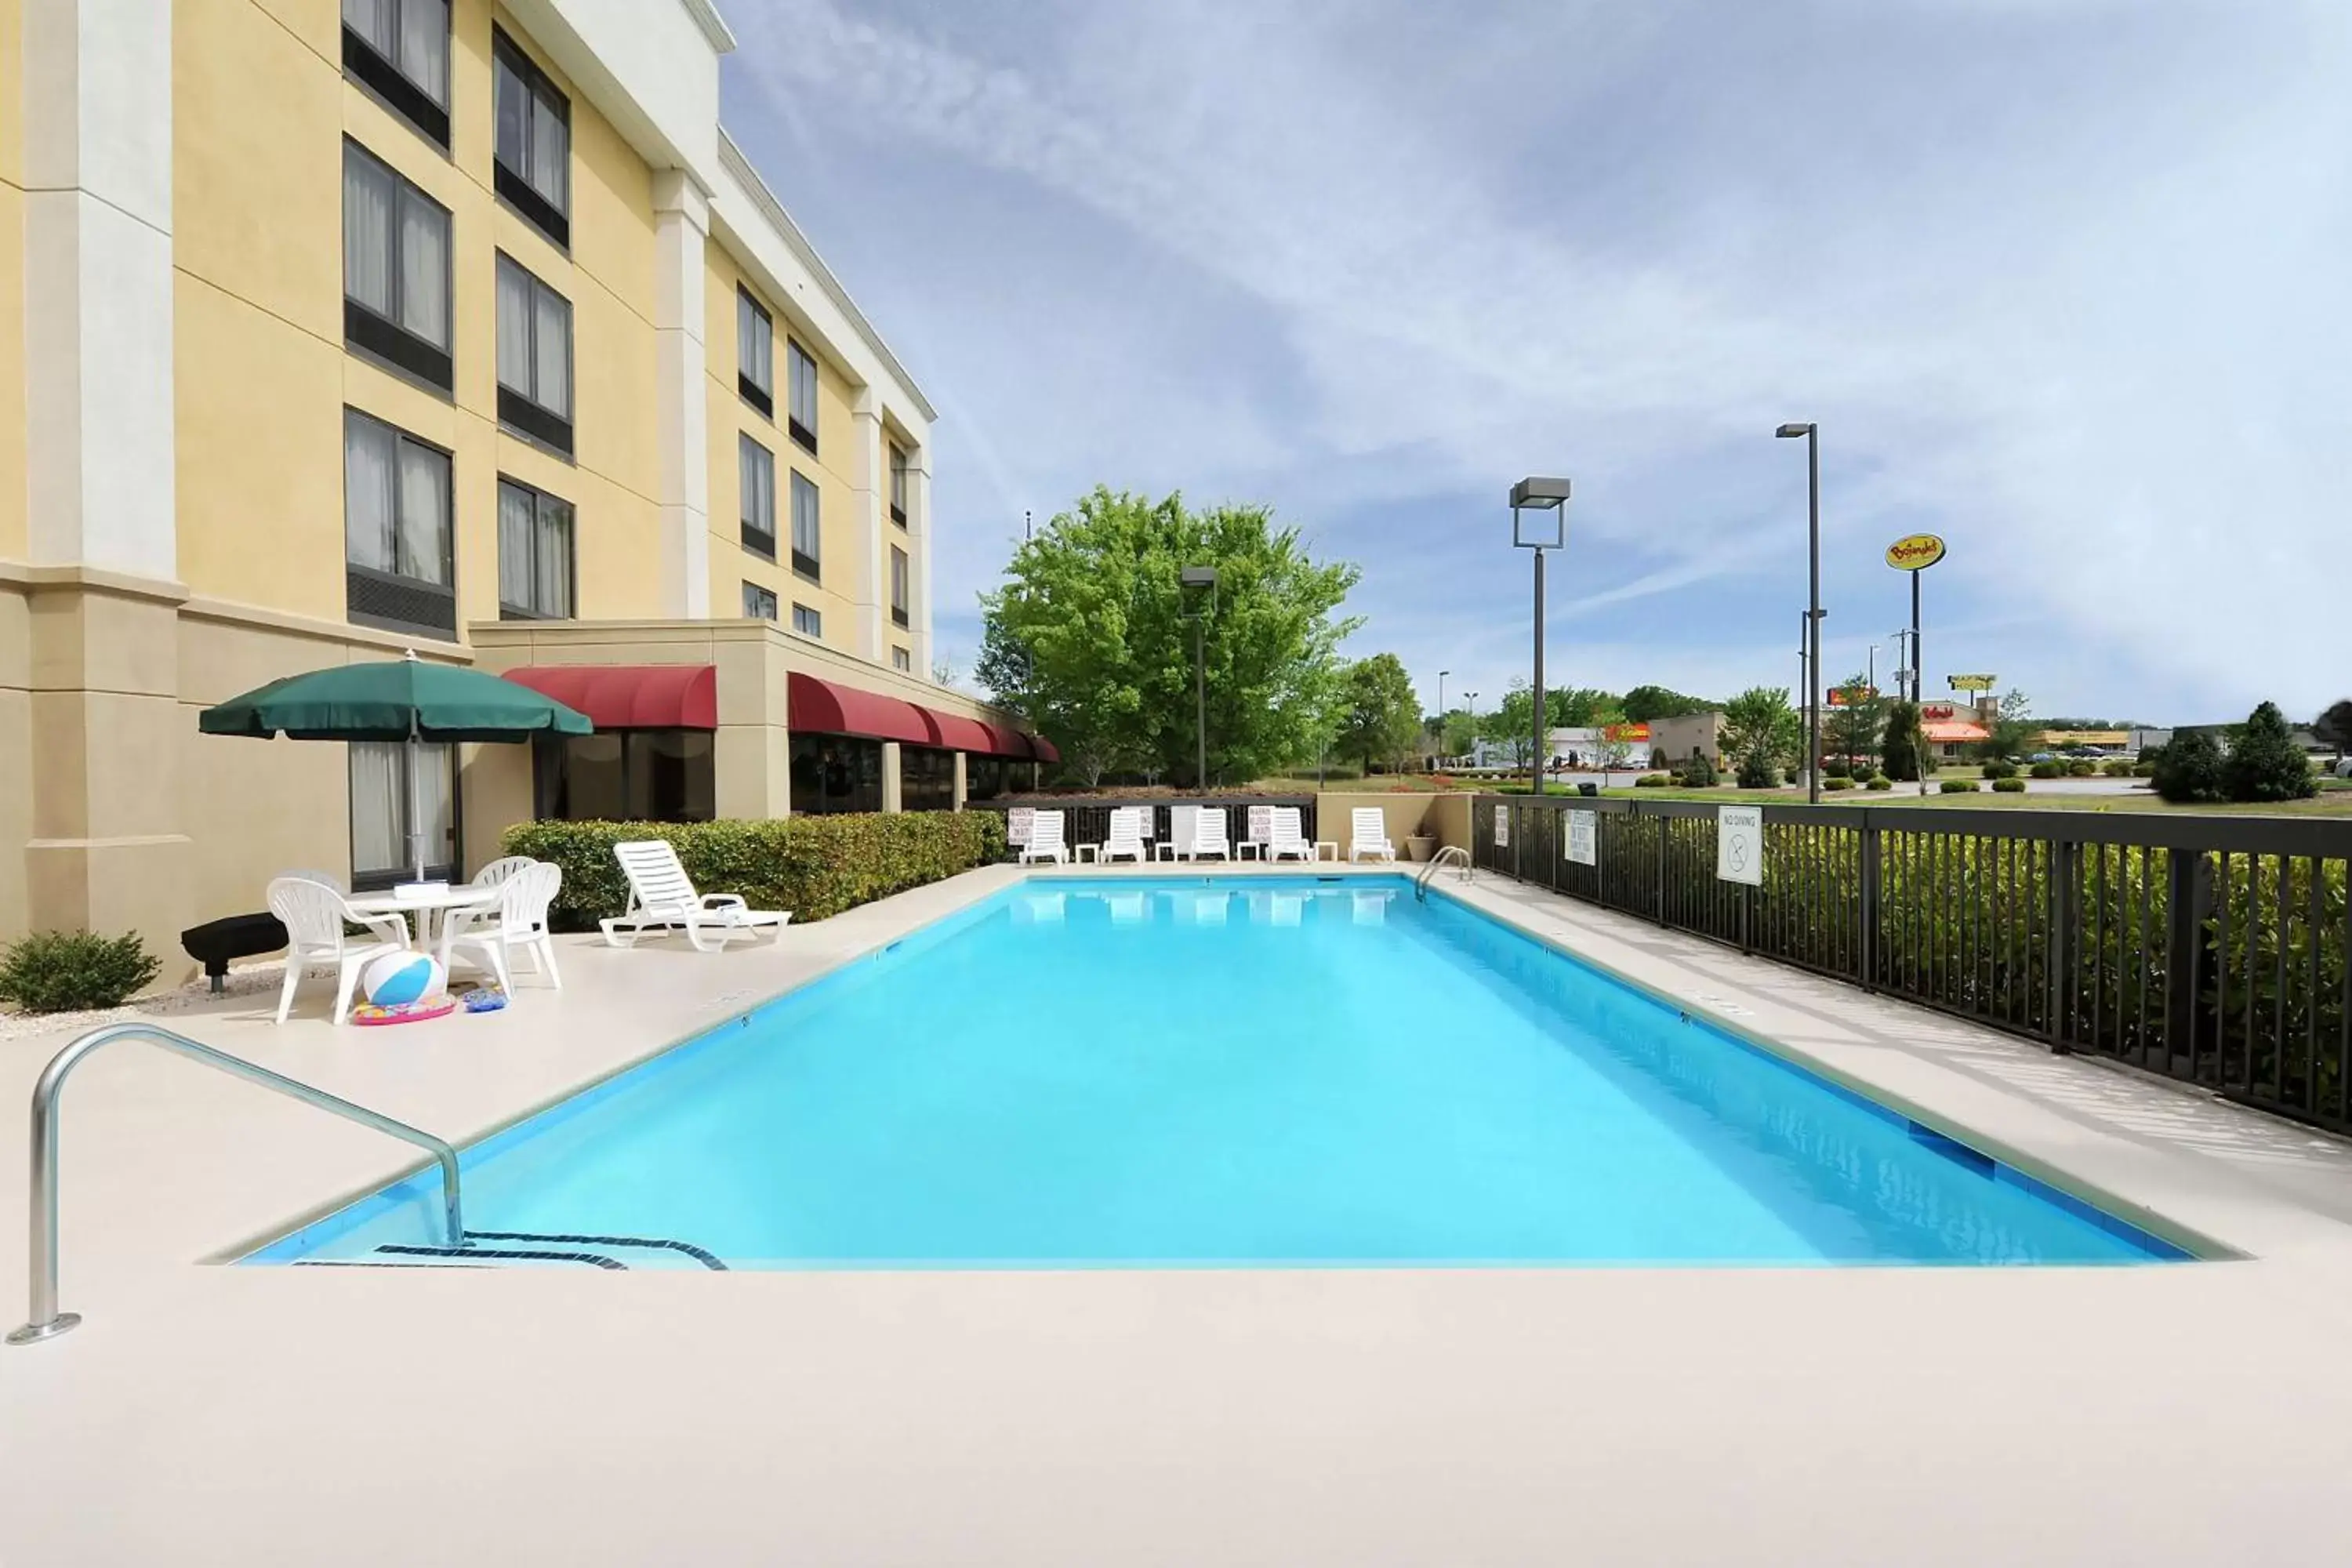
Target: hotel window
x=836, y=772
x=756, y=469
x=395, y=269
x=625, y=775
x=534, y=358
x=808, y=623
x=534, y=140
x=381, y=798
x=983, y=778
x=759, y=603
x=399, y=50
x=802, y=370
x=755, y=353
x=901, y=659
x=806, y=534
x=397, y=572
x=897, y=484
x=899, y=587
x=926, y=778
x=535, y=560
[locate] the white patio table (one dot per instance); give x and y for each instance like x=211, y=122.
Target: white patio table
x=423, y=904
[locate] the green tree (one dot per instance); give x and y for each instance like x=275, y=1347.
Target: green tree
x=1904, y=752
x=1851, y=730
x=2264, y=764
x=1759, y=733
x=1644, y=703
x=2334, y=727
x=2011, y=730
x=1089, y=639
x=1381, y=716
x=1461, y=733
x=1580, y=707
x=2190, y=770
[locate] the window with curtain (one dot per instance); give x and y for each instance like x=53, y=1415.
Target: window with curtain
x=533, y=141
x=535, y=561
x=807, y=535
x=759, y=603
x=381, y=801
x=808, y=622
x=898, y=600
x=901, y=659
x=755, y=353
x=897, y=484
x=836, y=772
x=534, y=357
x=395, y=269
x=396, y=529
x=626, y=775
x=802, y=370
x=399, y=50
x=757, y=473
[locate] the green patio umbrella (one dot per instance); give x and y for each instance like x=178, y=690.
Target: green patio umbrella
x=397, y=699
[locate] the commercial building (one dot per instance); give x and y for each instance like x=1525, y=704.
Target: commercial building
x=1679, y=739
x=329, y=332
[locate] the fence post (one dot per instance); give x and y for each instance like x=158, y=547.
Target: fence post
x=1658, y=852
x=1869, y=946
x=2065, y=909
x=2188, y=899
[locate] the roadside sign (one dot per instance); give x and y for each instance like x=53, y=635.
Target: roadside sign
x=1502, y=825
x=1935, y=712
x=1261, y=824
x=1617, y=732
x=1583, y=838
x=1847, y=696
x=1017, y=822
x=1914, y=552
x=1739, y=843
x=1972, y=682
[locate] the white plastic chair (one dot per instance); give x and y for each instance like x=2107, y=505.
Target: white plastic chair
x=314, y=915
x=1045, y=839
x=661, y=897
x=499, y=870
x=1368, y=834
x=1126, y=835
x=1209, y=835
x=517, y=922
x=1289, y=840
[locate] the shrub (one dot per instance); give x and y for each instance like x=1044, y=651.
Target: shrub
x=1837, y=781
x=68, y=971
x=1957, y=786
x=2144, y=768
x=1836, y=768
x=812, y=866
x=1699, y=772
x=2264, y=764
x=1904, y=752
x=1758, y=772
x=2190, y=772
x=2048, y=770
x=2011, y=784
x=1661, y=762
x=2082, y=768
x=2117, y=768
x=1654, y=781
x=2000, y=768
x=1880, y=781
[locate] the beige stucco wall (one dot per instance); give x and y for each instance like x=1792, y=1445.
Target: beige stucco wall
x=1449, y=817
x=1403, y=812
x=11, y=306
x=16, y=756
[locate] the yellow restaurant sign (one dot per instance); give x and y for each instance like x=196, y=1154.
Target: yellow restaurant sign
x=1914, y=552
x=1972, y=682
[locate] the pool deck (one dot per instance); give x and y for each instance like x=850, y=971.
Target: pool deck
x=2171, y=1415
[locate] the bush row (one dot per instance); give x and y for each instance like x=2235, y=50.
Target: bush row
x=812, y=865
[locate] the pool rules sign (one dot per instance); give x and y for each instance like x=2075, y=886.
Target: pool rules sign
x=1583, y=847
x=1739, y=843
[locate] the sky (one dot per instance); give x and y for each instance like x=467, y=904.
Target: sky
x=2067, y=282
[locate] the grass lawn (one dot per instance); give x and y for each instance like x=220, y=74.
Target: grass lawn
x=2327, y=802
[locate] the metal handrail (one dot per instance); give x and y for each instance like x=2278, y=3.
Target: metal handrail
x=1428, y=873
x=45, y=1320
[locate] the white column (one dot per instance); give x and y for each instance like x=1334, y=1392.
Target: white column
x=870, y=584
x=96, y=98
x=681, y=230
x=918, y=548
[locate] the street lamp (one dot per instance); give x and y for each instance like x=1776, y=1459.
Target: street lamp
x=1470, y=707
x=1201, y=578
x=1539, y=496
x=1813, y=435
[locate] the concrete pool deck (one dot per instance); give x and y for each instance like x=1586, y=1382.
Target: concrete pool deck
x=2184, y=1413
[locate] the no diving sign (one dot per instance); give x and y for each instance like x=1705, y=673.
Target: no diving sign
x=1739, y=843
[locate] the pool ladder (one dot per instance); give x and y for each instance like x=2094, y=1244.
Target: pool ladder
x=1450, y=855
x=45, y=1321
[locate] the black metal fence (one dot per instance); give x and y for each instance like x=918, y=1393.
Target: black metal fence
x=1087, y=820
x=2211, y=949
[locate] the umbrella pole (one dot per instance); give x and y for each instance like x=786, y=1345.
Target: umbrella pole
x=417, y=794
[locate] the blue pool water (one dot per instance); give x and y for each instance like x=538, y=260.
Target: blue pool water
x=1236, y=1072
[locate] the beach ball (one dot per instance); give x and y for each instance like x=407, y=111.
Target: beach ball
x=398, y=978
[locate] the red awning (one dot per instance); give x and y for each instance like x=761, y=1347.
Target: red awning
x=1006, y=742
x=956, y=734
x=630, y=696
x=1045, y=749
x=1952, y=731
x=829, y=707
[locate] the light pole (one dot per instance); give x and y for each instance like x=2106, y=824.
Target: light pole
x=1201, y=578
x=1539, y=496
x=1470, y=705
x=1813, y=435
x=1441, y=709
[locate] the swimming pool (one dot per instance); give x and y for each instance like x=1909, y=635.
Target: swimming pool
x=1199, y=1071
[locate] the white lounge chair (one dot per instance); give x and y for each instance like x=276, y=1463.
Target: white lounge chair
x=1126, y=842
x=661, y=897
x=1209, y=835
x=1182, y=824
x=1045, y=839
x=1368, y=834
x=315, y=915
x=1289, y=840
x=517, y=922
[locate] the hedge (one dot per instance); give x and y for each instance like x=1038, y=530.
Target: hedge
x=812, y=865
x=1957, y=786
x=2010, y=786
x=1837, y=781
